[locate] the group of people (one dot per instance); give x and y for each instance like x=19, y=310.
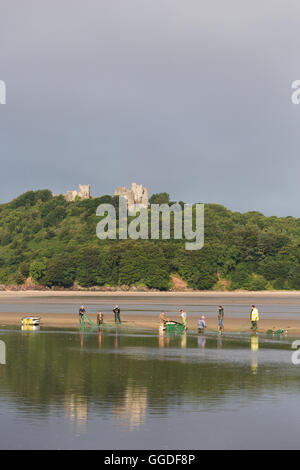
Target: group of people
x=254, y=318
x=163, y=319
x=100, y=316
x=202, y=321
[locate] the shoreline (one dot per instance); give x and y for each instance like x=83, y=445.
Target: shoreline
x=120, y=293
x=65, y=315
x=240, y=324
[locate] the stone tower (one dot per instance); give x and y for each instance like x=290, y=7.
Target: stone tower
x=137, y=196
x=82, y=193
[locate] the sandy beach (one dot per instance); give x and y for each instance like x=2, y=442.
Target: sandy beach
x=69, y=318
x=152, y=322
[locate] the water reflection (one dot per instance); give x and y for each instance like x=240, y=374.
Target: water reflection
x=201, y=339
x=30, y=327
x=163, y=339
x=116, y=340
x=254, y=343
x=76, y=410
x=183, y=340
x=127, y=378
x=100, y=338
x=131, y=411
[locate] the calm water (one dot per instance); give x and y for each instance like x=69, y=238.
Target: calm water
x=126, y=389
x=234, y=306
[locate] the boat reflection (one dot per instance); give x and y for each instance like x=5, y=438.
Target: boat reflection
x=30, y=327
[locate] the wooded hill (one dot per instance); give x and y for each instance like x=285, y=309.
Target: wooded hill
x=54, y=242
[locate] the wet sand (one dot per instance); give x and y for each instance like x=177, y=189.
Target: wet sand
x=152, y=322
x=69, y=319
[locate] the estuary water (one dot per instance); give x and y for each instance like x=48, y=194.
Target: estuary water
x=122, y=388
x=235, y=306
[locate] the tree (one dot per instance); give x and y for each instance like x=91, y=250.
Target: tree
x=37, y=270
x=61, y=271
x=159, y=198
x=257, y=282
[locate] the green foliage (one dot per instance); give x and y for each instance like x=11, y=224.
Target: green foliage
x=160, y=198
x=197, y=268
x=60, y=272
x=30, y=198
x=54, y=242
x=37, y=270
x=144, y=264
x=92, y=269
x=257, y=282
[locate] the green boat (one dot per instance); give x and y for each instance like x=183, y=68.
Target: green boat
x=174, y=327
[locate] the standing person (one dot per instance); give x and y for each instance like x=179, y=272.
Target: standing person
x=116, y=311
x=100, y=318
x=81, y=312
x=220, y=319
x=162, y=318
x=254, y=317
x=201, y=324
x=183, y=318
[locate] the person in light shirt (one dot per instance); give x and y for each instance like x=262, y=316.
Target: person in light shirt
x=254, y=318
x=201, y=324
x=183, y=318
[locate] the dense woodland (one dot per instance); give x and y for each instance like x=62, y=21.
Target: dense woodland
x=54, y=243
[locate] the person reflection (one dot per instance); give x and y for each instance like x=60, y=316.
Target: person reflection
x=201, y=341
x=100, y=336
x=163, y=339
x=183, y=340
x=254, y=344
x=116, y=340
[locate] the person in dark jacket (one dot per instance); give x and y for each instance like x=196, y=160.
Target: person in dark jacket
x=116, y=311
x=81, y=312
x=220, y=319
x=99, y=318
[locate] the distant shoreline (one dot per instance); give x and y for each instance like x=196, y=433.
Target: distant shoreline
x=120, y=293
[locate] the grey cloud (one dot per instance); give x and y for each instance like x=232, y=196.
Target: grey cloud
x=189, y=97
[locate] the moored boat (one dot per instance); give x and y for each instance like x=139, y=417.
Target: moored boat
x=30, y=321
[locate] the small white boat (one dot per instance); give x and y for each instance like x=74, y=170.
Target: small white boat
x=31, y=321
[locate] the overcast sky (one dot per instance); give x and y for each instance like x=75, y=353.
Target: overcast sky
x=191, y=97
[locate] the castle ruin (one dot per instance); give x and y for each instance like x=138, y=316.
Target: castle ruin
x=82, y=193
x=137, y=196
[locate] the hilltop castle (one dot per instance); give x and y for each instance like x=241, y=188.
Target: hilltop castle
x=137, y=196
x=82, y=193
